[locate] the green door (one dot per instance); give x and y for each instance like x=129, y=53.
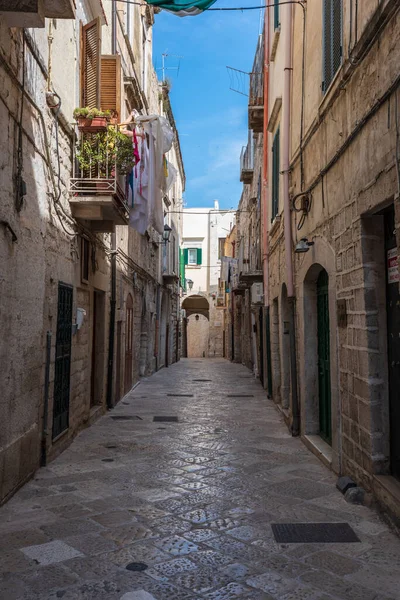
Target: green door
x=324, y=375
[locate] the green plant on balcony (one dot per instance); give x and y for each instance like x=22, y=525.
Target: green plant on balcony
x=92, y=119
x=101, y=153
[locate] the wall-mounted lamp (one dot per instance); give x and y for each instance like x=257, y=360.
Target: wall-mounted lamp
x=197, y=317
x=189, y=283
x=166, y=233
x=303, y=246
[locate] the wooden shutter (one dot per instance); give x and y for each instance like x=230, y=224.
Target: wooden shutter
x=186, y=256
x=91, y=64
x=199, y=255
x=110, y=86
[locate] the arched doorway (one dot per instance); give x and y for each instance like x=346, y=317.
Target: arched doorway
x=128, y=344
x=324, y=365
x=197, y=326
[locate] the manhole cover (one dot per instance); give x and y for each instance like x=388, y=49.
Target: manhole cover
x=136, y=566
x=240, y=395
x=180, y=395
x=126, y=418
x=202, y=380
x=165, y=419
x=313, y=533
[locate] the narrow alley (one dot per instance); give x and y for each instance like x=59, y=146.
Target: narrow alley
x=174, y=493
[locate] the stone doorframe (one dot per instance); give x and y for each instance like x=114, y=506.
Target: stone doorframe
x=320, y=256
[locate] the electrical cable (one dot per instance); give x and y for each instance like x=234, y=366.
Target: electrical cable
x=19, y=199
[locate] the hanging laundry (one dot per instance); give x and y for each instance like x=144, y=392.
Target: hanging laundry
x=183, y=8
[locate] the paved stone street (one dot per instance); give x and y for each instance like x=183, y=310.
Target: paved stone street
x=193, y=501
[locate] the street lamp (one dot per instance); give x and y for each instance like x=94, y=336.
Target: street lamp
x=189, y=283
x=166, y=233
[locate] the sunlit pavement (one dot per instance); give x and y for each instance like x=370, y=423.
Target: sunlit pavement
x=192, y=502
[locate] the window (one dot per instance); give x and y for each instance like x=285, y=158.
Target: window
x=85, y=248
x=221, y=247
x=332, y=40
x=275, y=174
x=100, y=75
x=276, y=15
x=192, y=256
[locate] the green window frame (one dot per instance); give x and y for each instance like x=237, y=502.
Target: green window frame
x=198, y=256
x=275, y=174
x=276, y=15
x=332, y=40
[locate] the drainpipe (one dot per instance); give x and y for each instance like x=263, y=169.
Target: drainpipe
x=113, y=297
x=264, y=218
x=286, y=213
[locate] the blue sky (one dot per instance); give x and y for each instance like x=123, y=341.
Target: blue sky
x=211, y=119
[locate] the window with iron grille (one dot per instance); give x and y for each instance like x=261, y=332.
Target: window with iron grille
x=275, y=174
x=332, y=40
x=276, y=15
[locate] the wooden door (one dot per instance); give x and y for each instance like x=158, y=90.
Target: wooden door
x=128, y=344
x=393, y=332
x=62, y=365
x=324, y=366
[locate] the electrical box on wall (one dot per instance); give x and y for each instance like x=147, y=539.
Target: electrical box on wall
x=257, y=295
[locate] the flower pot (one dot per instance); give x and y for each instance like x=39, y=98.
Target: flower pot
x=92, y=125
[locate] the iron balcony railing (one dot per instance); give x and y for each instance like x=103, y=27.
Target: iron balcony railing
x=247, y=158
x=97, y=173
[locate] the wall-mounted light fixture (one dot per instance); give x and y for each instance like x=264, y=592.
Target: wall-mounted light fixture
x=197, y=317
x=189, y=283
x=165, y=236
x=303, y=246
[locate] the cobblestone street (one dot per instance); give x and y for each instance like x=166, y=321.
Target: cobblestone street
x=191, y=501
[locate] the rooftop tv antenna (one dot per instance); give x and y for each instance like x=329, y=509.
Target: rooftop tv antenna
x=164, y=56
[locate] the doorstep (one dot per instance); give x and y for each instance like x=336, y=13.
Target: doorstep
x=95, y=412
x=321, y=449
x=387, y=491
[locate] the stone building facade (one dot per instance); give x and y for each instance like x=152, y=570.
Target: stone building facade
x=203, y=243
x=84, y=310
x=344, y=211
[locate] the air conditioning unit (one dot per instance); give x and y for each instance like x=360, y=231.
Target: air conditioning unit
x=257, y=295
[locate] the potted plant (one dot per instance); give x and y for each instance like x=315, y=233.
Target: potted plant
x=104, y=154
x=92, y=120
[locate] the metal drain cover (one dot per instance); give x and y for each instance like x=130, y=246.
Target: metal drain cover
x=180, y=395
x=126, y=418
x=240, y=395
x=165, y=419
x=202, y=380
x=136, y=566
x=313, y=533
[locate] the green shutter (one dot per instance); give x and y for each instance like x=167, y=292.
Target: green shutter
x=186, y=256
x=275, y=174
x=199, y=255
x=182, y=269
x=276, y=14
x=332, y=40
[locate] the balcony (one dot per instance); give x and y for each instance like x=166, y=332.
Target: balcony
x=32, y=13
x=247, y=164
x=256, y=102
x=97, y=187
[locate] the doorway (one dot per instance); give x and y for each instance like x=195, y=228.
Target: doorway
x=62, y=367
x=128, y=344
x=324, y=366
x=393, y=336
x=97, y=372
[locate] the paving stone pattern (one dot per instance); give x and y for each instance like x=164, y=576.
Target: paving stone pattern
x=194, y=500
